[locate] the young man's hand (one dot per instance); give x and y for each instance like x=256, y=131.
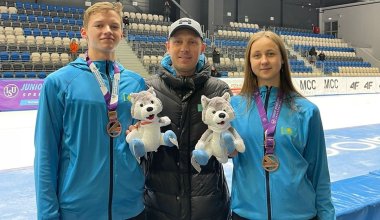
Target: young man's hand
x=132, y=127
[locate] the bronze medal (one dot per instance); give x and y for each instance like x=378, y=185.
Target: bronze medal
x=270, y=163
x=113, y=126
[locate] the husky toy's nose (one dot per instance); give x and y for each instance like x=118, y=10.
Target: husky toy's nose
x=149, y=109
x=222, y=115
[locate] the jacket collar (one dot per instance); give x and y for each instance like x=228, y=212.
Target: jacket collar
x=101, y=65
x=193, y=82
x=166, y=63
x=168, y=74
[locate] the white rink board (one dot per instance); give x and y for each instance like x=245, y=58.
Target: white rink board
x=313, y=86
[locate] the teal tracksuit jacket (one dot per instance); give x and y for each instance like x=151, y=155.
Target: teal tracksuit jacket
x=80, y=172
x=300, y=188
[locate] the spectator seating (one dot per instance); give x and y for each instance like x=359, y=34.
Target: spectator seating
x=35, y=38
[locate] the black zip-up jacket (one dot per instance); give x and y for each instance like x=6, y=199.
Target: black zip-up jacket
x=174, y=189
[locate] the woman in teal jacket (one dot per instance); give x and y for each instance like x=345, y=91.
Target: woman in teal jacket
x=83, y=166
x=283, y=173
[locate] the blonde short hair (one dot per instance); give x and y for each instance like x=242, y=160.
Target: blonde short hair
x=102, y=7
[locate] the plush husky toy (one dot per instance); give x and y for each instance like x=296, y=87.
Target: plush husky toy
x=147, y=135
x=220, y=139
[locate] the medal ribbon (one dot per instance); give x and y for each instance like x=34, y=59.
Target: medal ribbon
x=111, y=100
x=113, y=127
x=269, y=126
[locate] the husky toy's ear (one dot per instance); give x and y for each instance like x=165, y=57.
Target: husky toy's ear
x=151, y=90
x=204, y=101
x=226, y=96
x=132, y=97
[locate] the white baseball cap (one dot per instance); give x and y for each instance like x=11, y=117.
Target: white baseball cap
x=186, y=23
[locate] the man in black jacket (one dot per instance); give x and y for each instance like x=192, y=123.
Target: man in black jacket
x=174, y=190
x=216, y=56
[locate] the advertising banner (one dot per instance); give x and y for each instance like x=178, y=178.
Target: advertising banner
x=24, y=94
x=315, y=86
x=19, y=94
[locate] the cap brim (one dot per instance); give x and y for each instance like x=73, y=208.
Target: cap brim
x=184, y=27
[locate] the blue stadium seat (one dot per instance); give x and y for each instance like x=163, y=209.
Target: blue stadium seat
x=51, y=8
x=66, y=9
x=19, y=5
x=48, y=19
x=35, y=6
x=43, y=7
x=45, y=32
x=14, y=17
x=41, y=75
x=54, y=33
x=19, y=74
x=208, y=41
x=25, y=56
x=73, y=10
x=223, y=74
x=131, y=37
x=78, y=34
x=62, y=33
x=8, y=75
x=36, y=32
x=27, y=5
x=15, y=56
x=154, y=39
x=56, y=20
x=22, y=17
x=318, y=64
x=31, y=18
x=72, y=21
x=58, y=8
x=4, y=56
x=31, y=75
x=71, y=34
x=79, y=22
x=150, y=38
x=40, y=19
x=4, y=16
x=64, y=20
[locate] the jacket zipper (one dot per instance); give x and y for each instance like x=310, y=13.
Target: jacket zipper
x=266, y=172
x=110, y=192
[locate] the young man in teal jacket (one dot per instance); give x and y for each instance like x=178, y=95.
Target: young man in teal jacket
x=83, y=166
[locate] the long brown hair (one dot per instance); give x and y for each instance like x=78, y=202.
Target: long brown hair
x=250, y=83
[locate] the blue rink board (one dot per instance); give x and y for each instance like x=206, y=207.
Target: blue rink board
x=357, y=197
